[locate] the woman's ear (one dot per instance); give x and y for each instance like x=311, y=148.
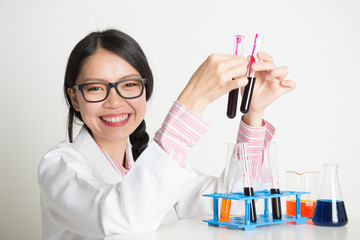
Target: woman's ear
x=72, y=94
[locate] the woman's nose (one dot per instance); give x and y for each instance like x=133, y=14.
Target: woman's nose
x=114, y=99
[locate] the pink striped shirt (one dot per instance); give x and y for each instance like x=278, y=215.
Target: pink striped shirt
x=182, y=129
x=118, y=168
x=258, y=139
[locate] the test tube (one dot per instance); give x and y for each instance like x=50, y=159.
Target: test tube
x=228, y=182
x=248, y=189
x=249, y=88
x=233, y=94
x=275, y=188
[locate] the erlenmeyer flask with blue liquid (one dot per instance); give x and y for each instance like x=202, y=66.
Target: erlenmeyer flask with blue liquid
x=330, y=207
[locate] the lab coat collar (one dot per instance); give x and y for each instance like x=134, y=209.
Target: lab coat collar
x=87, y=146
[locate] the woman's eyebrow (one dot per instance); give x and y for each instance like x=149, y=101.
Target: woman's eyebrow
x=133, y=75
x=86, y=80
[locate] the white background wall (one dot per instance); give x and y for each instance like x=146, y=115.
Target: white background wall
x=318, y=123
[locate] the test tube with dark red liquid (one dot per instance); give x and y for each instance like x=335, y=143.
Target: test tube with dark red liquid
x=248, y=189
x=233, y=94
x=275, y=188
x=249, y=88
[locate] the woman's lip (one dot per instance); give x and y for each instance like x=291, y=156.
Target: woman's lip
x=114, y=115
x=115, y=120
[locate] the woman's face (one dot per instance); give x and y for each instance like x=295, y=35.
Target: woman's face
x=115, y=118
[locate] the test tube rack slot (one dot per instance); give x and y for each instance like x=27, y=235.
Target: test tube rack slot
x=243, y=222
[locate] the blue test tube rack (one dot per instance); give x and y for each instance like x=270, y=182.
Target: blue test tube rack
x=263, y=219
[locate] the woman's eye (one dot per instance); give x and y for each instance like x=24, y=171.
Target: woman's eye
x=130, y=85
x=94, y=89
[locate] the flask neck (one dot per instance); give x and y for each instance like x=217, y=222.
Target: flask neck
x=330, y=187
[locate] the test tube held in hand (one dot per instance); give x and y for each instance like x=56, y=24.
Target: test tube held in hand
x=233, y=94
x=248, y=189
x=249, y=88
x=275, y=188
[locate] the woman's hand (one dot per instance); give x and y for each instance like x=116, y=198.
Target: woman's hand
x=270, y=85
x=212, y=80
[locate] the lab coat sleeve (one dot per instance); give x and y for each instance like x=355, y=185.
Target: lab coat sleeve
x=192, y=203
x=79, y=202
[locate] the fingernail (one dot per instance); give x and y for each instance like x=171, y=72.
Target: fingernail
x=267, y=77
x=284, y=83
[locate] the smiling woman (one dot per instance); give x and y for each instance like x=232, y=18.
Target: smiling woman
x=102, y=105
x=110, y=179
x=106, y=57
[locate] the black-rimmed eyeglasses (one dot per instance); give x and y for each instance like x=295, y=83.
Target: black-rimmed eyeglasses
x=99, y=91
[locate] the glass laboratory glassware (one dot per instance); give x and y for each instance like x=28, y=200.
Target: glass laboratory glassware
x=330, y=208
x=249, y=174
x=275, y=186
x=233, y=94
x=228, y=181
x=238, y=167
x=304, y=181
x=248, y=90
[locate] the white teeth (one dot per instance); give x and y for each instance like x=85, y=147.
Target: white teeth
x=115, y=119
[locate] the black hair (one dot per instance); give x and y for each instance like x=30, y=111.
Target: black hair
x=125, y=47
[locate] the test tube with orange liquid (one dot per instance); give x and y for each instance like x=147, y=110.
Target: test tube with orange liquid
x=228, y=181
x=225, y=210
x=238, y=158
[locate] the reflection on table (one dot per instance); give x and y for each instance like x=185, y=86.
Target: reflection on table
x=195, y=228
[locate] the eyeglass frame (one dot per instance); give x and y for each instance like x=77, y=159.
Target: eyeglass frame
x=115, y=85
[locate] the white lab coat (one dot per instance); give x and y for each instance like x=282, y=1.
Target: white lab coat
x=83, y=197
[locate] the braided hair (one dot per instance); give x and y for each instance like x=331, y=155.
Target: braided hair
x=125, y=47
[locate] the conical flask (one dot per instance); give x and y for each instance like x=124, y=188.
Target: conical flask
x=330, y=207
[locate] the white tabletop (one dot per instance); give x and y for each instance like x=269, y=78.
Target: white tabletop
x=194, y=228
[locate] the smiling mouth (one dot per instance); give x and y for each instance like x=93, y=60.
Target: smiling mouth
x=117, y=119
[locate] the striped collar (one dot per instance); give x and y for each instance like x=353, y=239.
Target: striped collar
x=118, y=168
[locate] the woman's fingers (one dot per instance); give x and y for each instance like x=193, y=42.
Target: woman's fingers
x=225, y=60
x=288, y=84
x=264, y=56
x=237, y=83
x=227, y=67
x=263, y=66
x=235, y=71
x=279, y=73
x=215, y=75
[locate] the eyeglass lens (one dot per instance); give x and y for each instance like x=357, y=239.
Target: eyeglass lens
x=99, y=91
